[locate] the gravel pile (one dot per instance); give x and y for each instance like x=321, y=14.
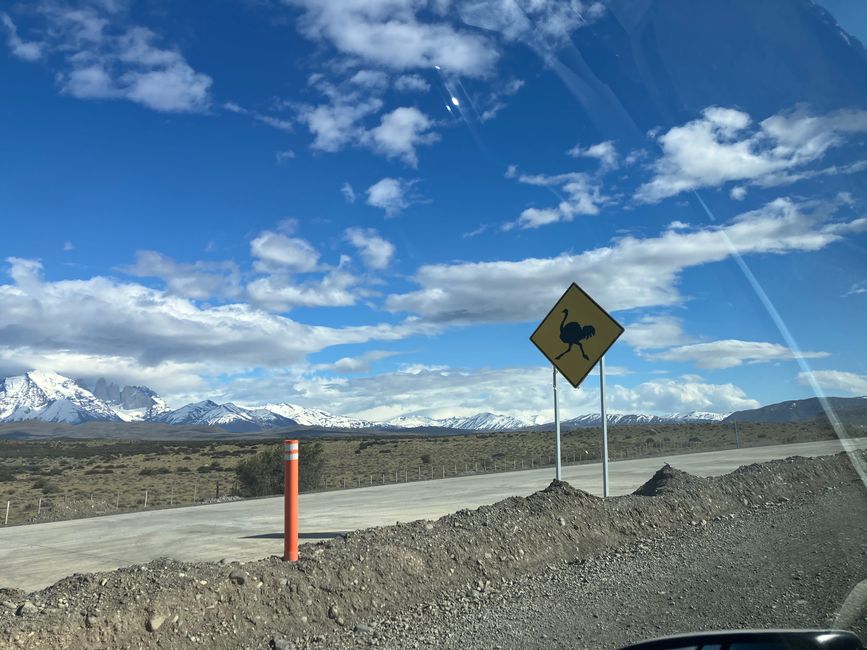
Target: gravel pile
x=342, y=584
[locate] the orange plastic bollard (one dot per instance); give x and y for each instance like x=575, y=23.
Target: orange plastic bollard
x=290, y=500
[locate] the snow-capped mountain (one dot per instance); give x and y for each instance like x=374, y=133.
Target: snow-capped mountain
x=50, y=397
x=316, y=418
x=226, y=416
x=698, y=416
x=483, y=422
x=411, y=422
x=130, y=403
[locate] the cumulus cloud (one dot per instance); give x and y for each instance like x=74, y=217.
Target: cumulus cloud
x=337, y=124
x=94, y=324
x=519, y=392
x=276, y=251
x=583, y=196
x=370, y=79
x=732, y=352
x=104, y=59
x=604, y=152
x=652, y=332
x=629, y=273
x=375, y=251
x=348, y=193
x=837, y=380
x=411, y=83
x=200, y=280
x=396, y=34
x=724, y=145
x=282, y=292
x=361, y=363
x=24, y=50
x=390, y=194
x=400, y=132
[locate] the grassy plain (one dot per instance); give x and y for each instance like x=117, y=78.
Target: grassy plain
x=85, y=477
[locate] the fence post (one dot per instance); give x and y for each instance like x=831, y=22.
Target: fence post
x=406, y=475
x=117, y=501
x=444, y=471
x=39, y=507
x=195, y=489
x=6, y=521
x=172, y=497
x=290, y=500
x=419, y=472
x=146, y=499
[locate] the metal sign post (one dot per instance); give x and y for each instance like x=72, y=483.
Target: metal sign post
x=604, y=427
x=574, y=335
x=557, y=423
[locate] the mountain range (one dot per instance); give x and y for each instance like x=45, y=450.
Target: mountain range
x=49, y=397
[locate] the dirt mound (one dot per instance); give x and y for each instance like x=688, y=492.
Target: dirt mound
x=668, y=480
x=341, y=582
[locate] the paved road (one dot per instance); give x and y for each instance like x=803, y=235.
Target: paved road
x=34, y=556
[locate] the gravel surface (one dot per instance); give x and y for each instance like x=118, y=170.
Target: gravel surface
x=784, y=565
x=560, y=568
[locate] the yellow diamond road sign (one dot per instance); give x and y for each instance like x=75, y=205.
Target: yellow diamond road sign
x=575, y=334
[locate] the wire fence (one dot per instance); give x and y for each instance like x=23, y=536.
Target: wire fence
x=54, y=507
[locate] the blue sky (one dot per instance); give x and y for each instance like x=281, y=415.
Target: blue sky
x=366, y=207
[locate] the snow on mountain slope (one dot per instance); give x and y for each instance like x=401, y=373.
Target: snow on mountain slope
x=412, y=421
x=483, y=422
x=226, y=416
x=317, y=418
x=49, y=397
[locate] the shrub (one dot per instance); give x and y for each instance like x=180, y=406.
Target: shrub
x=151, y=471
x=45, y=485
x=6, y=474
x=262, y=474
x=425, y=459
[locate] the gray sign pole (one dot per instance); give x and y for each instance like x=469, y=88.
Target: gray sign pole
x=557, y=423
x=604, y=427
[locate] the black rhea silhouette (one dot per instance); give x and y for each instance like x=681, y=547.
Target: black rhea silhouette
x=572, y=334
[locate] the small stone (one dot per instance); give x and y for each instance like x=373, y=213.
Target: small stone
x=361, y=628
x=27, y=608
x=8, y=604
x=428, y=526
x=340, y=621
x=561, y=521
x=90, y=620
x=103, y=582
x=303, y=619
x=154, y=622
x=284, y=582
x=333, y=612
x=282, y=644
x=238, y=577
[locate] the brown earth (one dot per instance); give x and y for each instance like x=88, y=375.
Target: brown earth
x=81, y=478
x=344, y=582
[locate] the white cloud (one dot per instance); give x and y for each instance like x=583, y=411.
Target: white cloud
x=362, y=363
x=519, y=392
x=103, y=59
x=604, y=152
x=652, y=332
x=200, y=280
x=583, y=197
x=286, y=154
x=390, y=194
x=336, y=125
x=277, y=252
x=400, y=132
x=731, y=352
x=281, y=292
x=856, y=289
x=24, y=50
x=411, y=83
x=629, y=273
x=375, y=251
x=833, y=380
x=68, y=246
x=370, y=79
x=89, y=326
x=347, y=192
x=738, y=193
x=723, y=146
x=392, y=34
